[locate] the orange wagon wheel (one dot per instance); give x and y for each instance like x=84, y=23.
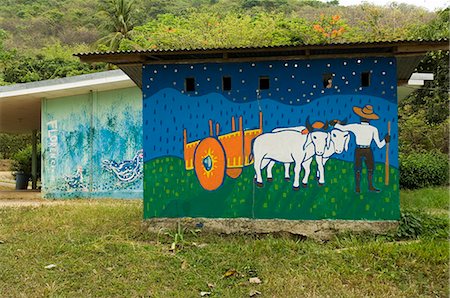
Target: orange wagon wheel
x=234, y=172
x=210, y=163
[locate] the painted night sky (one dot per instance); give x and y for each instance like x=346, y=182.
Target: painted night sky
x=296, y=92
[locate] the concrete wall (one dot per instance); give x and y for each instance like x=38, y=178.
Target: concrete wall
x=92, y=145
x=200, y=162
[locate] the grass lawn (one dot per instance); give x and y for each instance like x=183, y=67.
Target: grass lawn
x=100, y=248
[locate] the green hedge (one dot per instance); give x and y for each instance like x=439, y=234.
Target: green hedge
x=21, y=160
x=424, y=169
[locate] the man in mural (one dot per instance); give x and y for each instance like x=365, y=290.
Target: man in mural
x=364, y=134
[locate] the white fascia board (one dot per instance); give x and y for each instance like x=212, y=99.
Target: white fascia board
x=422, y=76
x=67, y=86
x=416, y=82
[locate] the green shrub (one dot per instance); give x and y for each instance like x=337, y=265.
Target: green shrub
x=21, y=160
x=423, y=169
x=416, y=224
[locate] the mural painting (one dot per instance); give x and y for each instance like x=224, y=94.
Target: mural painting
x=127, y=170
x=216, y=156
x=292, y=140
x=95, y=150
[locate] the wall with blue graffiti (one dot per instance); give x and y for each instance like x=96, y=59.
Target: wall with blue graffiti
x=306, y=139
x=92, y=145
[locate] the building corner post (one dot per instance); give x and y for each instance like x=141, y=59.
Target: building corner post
x=34, y=159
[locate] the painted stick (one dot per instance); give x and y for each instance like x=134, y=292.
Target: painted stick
x=386, y=164
x=211, y=133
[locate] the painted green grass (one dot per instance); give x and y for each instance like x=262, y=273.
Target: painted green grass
x=171, y=191
x=101, y=249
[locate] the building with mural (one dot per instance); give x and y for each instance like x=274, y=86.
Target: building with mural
x=297, y=133
x=91, y=133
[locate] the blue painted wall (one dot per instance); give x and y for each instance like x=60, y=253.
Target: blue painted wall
x=92, y=145
x=296, y=93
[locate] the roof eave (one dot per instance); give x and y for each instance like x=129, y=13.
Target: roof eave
x=399, y=48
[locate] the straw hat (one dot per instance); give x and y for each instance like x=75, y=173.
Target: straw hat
x=366, y=112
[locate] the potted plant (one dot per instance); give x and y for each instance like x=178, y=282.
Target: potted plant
x=21, y=166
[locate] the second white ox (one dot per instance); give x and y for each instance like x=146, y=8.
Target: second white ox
x=287, y=146
x=338, y=143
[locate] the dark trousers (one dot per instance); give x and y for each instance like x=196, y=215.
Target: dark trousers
x=367, y=155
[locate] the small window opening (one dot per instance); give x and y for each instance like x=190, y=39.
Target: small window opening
x=365, y=79
x=327, y=80
x=189, y=84
x=226, y=83
x=264, y=83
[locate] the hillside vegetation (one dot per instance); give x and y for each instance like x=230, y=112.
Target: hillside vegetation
x=38, y=38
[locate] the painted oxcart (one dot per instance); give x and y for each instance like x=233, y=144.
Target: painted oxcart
x=218, y=155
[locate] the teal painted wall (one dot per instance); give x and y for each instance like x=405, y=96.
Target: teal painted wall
x=92, y=145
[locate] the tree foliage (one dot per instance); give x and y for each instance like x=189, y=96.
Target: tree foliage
x=38, y=38
x=213, y=29
x=119, y=24
x=54, y=61
x=12, y=143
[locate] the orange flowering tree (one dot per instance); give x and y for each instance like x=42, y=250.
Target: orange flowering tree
x=329, y=28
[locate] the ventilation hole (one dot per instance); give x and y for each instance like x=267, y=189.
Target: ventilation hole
x=226, y=83
x=365, y=79
x=327, y=80
x=264, y=83
x=189, y=84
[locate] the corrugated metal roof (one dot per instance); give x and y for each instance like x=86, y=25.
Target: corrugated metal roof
x=287, y=46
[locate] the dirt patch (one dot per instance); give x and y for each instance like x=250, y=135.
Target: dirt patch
x=20, y=195
x=26, y=203
x=6, y=176
x=5, y=165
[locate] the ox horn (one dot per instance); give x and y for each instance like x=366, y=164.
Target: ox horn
x=325, y=126
x=308, y=125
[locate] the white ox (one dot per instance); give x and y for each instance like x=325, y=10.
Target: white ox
x=338, y=143
x=287, y=146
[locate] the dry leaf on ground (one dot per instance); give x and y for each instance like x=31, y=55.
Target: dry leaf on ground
x=254, y=280
x=184, y=265
x=230, y=272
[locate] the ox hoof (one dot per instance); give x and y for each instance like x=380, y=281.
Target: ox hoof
x=259, y=184
x=304, y=185
x=321, y=184
x=295, y=188
x=287, y=179
x=269, y=179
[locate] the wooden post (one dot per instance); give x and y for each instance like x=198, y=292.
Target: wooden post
x=217, y=129
x=240, y=124
x=211, y=133
x=184, y=138
x=260, y=120
x=233, y=124
x=386, y=164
